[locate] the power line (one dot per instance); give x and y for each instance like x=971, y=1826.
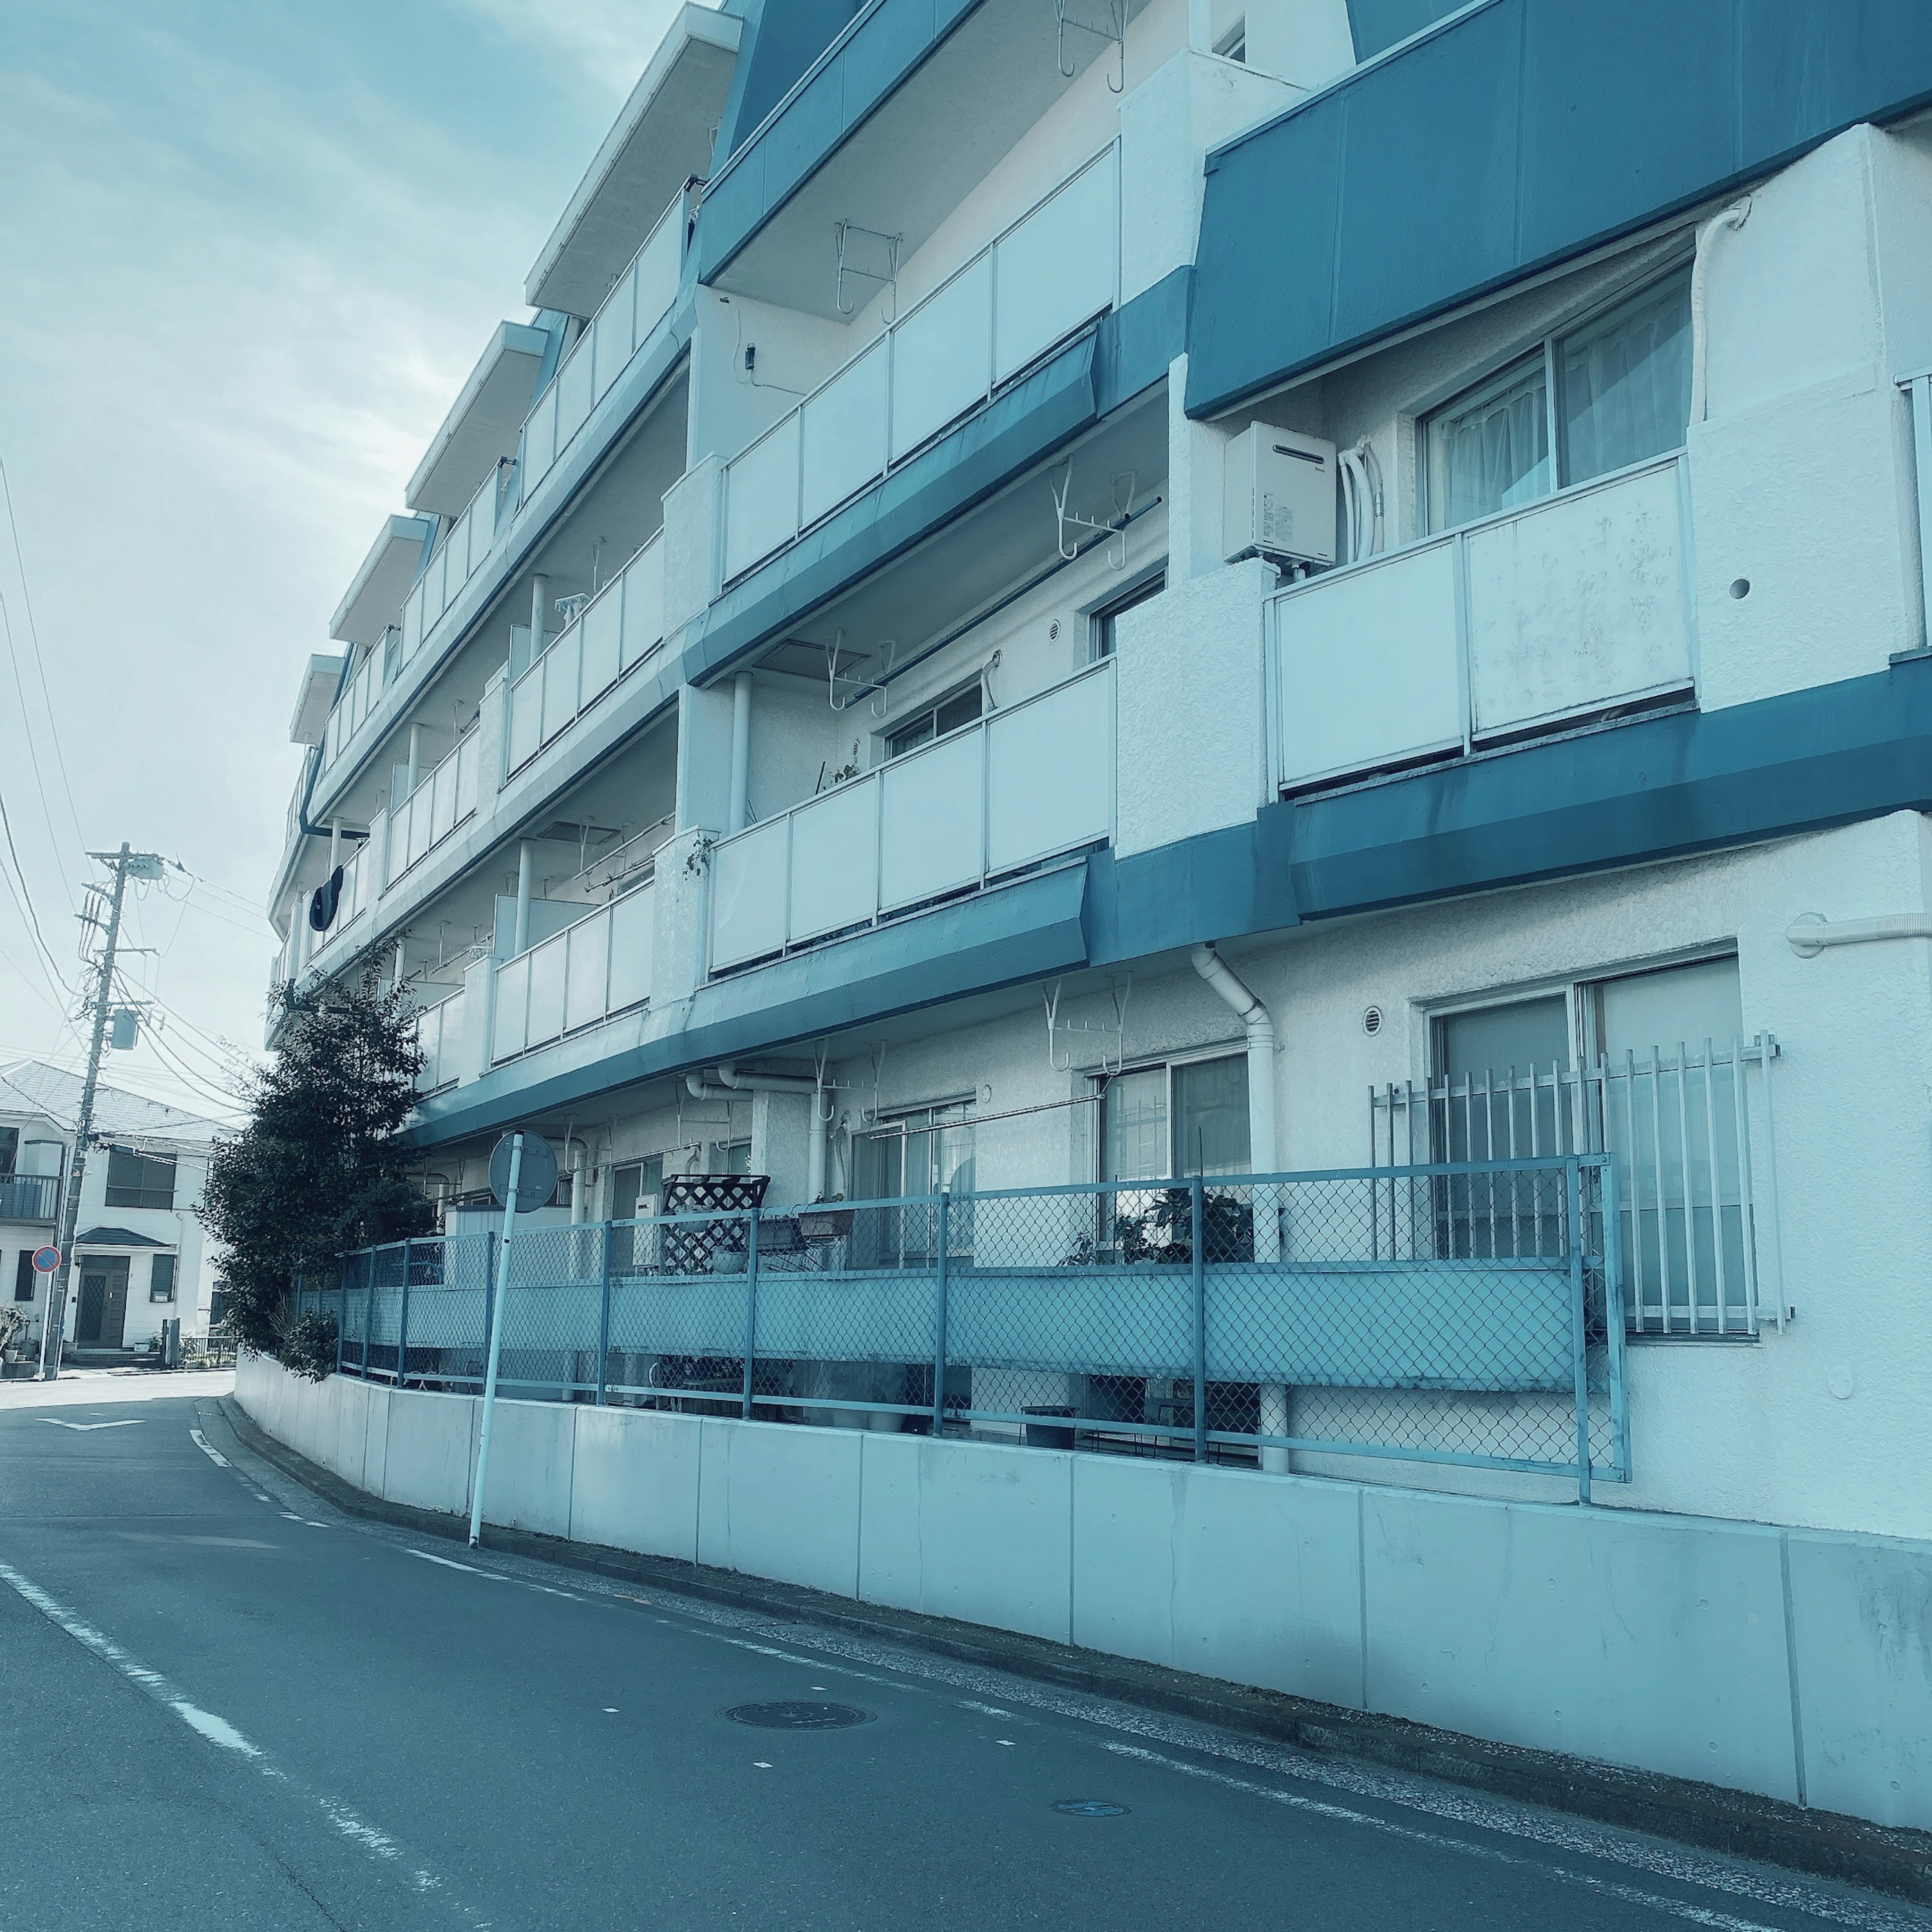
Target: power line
x=22, y=897
x=40, y=666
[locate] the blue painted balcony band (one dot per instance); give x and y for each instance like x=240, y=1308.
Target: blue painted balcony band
x=1520, y=134
x=1630, y=794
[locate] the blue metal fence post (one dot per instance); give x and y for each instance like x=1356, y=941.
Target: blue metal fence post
x=403, y=1318
x=750, y=1302
x=604, y=1319
x=939, y=1337
x=369, y=1315
x=489, y=1299
x=1572, y=1177
x=1615, y=1316
x=342, y=1311
x=1197, y=1195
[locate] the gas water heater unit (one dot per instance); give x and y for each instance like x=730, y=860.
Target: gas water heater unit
x=1279, y=497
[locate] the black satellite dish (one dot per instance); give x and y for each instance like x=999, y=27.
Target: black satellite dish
x=324, y=900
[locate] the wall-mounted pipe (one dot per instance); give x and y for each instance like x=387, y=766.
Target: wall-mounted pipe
x=1810, y=935
x=1734, y=218
x=787, y=1083
x=1258, y=1026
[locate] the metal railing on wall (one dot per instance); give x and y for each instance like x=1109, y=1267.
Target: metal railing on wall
x=1691, y=1134
x=1468, y=1313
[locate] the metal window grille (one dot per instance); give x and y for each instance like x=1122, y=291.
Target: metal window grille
x=1692, y=1137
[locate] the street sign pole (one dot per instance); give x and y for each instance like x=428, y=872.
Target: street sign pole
x=496, y=1341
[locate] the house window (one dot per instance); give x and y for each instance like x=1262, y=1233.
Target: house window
x=962, y=707
x=161, y=1278
x=1644, y=1066
x=636, y=1189
x=1233, y=45
x=1143, y=591
x=26, y=1281
x=10, y=1146
x=915, y=1153
x=140, y=1179
x=1613, y=391
x=1159, y=1123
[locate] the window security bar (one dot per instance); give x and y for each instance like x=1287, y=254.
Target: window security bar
x=1693, y=1137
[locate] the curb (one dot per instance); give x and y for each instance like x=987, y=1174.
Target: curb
x=1821, y=1844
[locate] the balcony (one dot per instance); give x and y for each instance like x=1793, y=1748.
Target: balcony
x=30, y=1197
x=1052, y=272
x=441, y=801
x=627, y=319
x=614, y=633
x=438, y=1032
x=359, y=889
x=1027, y=783
x=598, y=967
x=1572, y=609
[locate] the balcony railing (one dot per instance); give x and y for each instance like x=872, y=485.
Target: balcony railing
x=441, y=801
x=583, y=974
x=1025, y=784
x=629, y=318
x=359, y=696
x=1054, y=270
x=1565, y=609
x=439, y=1035
x=1214, y=1320
x=456, y=559
x=358, y=889
x=1691, y=1130
x=619, y=628
x=29, y=1197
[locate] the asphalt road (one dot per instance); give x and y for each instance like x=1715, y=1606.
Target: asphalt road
x=223, y=1704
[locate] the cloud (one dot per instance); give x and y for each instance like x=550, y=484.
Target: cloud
x=252, y=254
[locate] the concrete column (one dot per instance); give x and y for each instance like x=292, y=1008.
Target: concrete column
x=335, y=843
x=539, y=610
x=416, y=759
x=520, y=933
x=1195, y=466
x=741, y=752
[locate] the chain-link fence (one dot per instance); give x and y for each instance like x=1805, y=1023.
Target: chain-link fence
x=1469, y=1313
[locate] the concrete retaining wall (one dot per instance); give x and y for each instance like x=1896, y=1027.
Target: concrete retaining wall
x=1791, y=1663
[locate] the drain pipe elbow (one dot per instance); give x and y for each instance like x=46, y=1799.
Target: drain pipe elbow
x=1259, y=1025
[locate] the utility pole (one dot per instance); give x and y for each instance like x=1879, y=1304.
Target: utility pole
x=127, y=865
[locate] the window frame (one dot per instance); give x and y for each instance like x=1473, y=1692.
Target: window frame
x=890, y=734
x=1546, y=348
x=27, y=1276
x=1100, y=619
x=1166, y=1063
x=142, y=1197
x=173, y=1261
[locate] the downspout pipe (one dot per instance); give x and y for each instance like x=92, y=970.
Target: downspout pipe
x=1263, y=1158
x=1259, y=1027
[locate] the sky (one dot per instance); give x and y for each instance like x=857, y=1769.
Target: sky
x=250, y=250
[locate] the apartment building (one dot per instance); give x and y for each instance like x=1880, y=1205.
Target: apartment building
x=1051, y=596
x=141, y=1256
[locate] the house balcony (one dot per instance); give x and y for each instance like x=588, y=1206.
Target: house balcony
x=1045, y=277
x=621, y=627
x=444, y=798
x=1028, y=783
x=32, y=1198
x=598, y=967
x=1570, y=610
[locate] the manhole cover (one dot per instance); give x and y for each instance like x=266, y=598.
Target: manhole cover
x=798, y=1717
x=1089, y=1807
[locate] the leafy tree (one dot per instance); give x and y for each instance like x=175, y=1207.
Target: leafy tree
x=318, y=1169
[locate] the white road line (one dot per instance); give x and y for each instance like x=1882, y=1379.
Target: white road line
x=1631, y=1894
x=127, y=1422
x=451, y=1563
x=218, y=1730
x=1581, y=1837
x=213, y=1454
